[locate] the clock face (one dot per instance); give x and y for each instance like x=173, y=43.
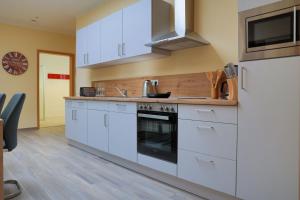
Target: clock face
x=15, y=63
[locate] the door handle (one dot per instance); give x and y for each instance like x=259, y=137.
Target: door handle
x=243, y=74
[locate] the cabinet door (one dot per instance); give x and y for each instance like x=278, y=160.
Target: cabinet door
x=137, y=26
x=81, y=47
x=123, y=135
x=111, y=37
x=69, y=118
x=80, y=125
x=98, y=129
x=93, y=43
x=268, y=129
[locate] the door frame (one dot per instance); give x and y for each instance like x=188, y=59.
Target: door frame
x=72, y=76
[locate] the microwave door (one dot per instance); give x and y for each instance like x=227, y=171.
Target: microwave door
x=271, y=31
x=297, y=25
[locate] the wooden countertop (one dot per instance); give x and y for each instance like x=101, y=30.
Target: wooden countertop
x=191, y=101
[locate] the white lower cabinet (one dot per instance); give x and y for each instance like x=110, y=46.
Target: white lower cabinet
x=123, y=135
x=76, y=123
x=216, y=173
x=98, y=129
x=157, y=164
x=214, y=139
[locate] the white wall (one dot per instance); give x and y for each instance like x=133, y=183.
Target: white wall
x=53, y=89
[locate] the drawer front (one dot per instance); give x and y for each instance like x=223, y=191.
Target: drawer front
x=223, y=114
x=209, y=138
x=79, y=104
x=123, y=107
x=98, y=105
x=215, y=173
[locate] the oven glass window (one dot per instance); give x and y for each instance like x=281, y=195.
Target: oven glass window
x=158, y=137
x=272, y=30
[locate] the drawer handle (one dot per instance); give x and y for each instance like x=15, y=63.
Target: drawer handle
x=205, y=111
x=199, y=161
x=206, y=127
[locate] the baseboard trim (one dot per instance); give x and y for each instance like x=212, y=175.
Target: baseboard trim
x=201, y=191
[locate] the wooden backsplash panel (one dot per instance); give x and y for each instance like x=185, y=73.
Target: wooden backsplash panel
x=180, y=85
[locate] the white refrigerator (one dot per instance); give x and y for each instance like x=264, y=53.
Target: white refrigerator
x=268, y=129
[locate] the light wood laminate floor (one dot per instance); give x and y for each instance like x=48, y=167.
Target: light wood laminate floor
x=49, y=169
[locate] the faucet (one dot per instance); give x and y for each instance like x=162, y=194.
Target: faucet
x=123, y=92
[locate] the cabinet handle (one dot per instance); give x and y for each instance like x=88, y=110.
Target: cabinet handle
x=84, y=59
x=243, y=74
x=119, y=50
x=87, y=58
x=105, y=120
x=205, y=111
x=72, y=114
x=199, y=161
x=123, y=49
x=206, y=127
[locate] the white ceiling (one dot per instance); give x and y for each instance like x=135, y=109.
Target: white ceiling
x=53, y=15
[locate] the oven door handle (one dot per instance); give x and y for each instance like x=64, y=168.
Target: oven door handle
x=149, y=116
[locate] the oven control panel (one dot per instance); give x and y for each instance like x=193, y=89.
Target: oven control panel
x=158, y=107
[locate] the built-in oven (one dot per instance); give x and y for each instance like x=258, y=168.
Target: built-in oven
x=270, y=31
x=157, y=131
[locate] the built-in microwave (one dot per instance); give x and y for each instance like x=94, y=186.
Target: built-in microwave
x=270, y=31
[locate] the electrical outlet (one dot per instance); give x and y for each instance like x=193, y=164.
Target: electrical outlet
x=154, y=82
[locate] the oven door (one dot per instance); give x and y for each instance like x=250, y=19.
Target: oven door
x=271, y=31
x=157, y=135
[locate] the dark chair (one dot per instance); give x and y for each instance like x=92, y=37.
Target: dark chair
x=11, y=116
x=2, y=100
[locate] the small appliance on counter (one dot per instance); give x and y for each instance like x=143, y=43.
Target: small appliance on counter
x=87, y=91
x=150, y=90
x=224, y=83
x=229, y=87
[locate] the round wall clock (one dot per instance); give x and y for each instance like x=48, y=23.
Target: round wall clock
x=15, y=63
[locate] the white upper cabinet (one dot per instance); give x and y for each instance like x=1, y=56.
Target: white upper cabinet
x=93, y=43
x=121, y=36
x=137, y=25
x=88, y=45
x=111, y=37
x=249, y=4
x=81, y=44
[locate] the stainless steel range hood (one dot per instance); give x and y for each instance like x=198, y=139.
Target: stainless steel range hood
x=184, y=36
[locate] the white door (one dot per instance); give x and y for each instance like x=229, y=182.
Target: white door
x=81, y=47
x=98, y=129
x=123, y=135
x=137, y=27
x=111, y=37
x=268, y=129
x=93, y=43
